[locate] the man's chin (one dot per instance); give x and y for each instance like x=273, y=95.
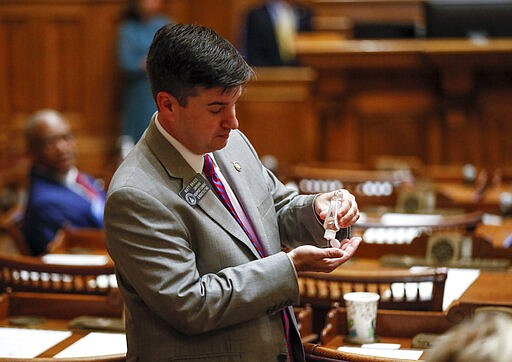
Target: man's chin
x=64, y=168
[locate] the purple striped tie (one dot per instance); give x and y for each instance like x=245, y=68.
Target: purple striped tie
x=215, y=181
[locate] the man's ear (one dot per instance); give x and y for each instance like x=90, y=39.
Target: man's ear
x=166, y=103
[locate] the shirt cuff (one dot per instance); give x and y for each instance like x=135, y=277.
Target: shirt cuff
x=293, y=266
x=320, y=221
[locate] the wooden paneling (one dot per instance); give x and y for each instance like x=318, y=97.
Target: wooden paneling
x=59, y=55
x=443, y=101
x=341, y=15
x=276, y=112
x=370, y=10
x=444, y=104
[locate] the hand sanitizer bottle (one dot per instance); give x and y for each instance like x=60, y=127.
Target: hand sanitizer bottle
x=331, y=225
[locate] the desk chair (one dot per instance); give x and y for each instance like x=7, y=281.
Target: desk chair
x=442, y=249
x=371, y=187
x=318, y=353
x=411, y=329
x=398, y=289
x=10, y=222
x=304, y=316
x=403, y=228
x=79, y=241
x=24, y=273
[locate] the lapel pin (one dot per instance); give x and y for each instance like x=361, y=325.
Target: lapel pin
x=237, y=166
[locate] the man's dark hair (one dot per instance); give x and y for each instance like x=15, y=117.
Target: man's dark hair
x=182, y=58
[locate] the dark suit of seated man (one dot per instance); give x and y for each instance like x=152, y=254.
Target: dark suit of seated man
x=59, y=195
x=262, y=41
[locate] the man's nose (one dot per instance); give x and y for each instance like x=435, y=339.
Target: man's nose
x=231, y=119
x=63, y=144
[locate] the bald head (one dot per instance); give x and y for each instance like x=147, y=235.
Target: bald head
x=50, y=141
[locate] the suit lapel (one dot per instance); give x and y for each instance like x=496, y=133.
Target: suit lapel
x=238, y=183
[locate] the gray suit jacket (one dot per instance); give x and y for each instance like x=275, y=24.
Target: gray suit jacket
x=194, y=286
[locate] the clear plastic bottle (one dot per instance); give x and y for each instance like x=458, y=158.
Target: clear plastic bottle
x=331, y=225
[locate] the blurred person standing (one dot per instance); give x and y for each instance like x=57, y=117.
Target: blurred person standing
x=270, y=30
x=140, y=20
x=59, y=195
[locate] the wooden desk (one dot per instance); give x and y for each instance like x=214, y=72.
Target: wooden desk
x=465, y=196
x=489, y=289
x=391, y=326
x=442, y=101
x=497, y=233
x=57, y=310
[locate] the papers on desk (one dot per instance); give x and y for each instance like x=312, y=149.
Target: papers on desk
x=28, y=343
x=75, y=259
x=412, y=354
x=96, y=344
x=399, y=219
x=457, y=282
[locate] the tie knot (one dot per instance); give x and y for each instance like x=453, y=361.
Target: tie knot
x=208, y=167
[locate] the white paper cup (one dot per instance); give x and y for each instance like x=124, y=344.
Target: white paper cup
x=361, y=316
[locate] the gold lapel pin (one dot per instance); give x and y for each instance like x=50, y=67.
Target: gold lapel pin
x=237, y=166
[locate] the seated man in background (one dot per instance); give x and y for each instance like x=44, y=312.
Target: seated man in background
x=59, y=195
x=270, y=30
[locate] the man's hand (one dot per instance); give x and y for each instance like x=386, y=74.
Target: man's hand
x=349, y=212
x=312, y=258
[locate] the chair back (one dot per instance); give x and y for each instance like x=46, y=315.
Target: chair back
x=11, y=221
x=304, y=317
x=24, y=273
x=371, y=187
x=403, y=228
x=398, y=289
x=79, y=241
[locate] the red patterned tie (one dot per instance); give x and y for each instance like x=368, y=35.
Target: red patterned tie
x=214, y=179
x=211, y=175
x=89, y=189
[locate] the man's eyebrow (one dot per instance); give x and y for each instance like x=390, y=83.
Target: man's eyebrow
x=217, y=103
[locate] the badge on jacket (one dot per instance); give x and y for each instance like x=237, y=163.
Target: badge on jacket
x=194, y=191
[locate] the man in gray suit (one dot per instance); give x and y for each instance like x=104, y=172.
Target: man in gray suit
x=201, y=280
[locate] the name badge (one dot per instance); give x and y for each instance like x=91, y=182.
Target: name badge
x=194, y=191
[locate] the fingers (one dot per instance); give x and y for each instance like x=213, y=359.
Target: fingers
x=349, y=212
x=311, y=258
x=350, y=246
